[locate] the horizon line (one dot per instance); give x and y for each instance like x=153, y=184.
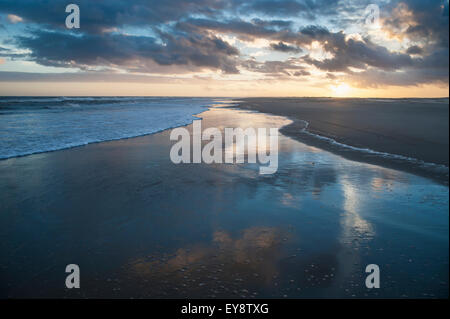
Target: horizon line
x=238, y=97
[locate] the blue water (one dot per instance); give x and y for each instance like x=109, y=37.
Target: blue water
x=40, y=124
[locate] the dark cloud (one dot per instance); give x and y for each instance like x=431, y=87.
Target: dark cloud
x=289, y=67
x=246, y=30
x=315, y=32
x=100, y=15
x=291, y=8
x=284, y=24
x=277, y=7
x=115, y=50
x=283, y=47
x=414, y=50
x=358, y=54
x=79, y=77
x=377, y=78
x=427, y=21
x=348, y=52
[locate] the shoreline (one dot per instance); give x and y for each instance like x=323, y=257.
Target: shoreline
x=300, y=130
x=317, y=136
x=145, y=226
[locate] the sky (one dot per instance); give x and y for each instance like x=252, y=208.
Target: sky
x=226, y=48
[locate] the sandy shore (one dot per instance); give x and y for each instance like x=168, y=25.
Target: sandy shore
x=413, y=128
x=141, y=226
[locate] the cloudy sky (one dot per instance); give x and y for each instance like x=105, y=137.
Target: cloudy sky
x=226, y=48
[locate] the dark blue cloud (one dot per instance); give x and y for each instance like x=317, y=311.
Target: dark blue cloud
x=98, y=15
x=283, y=47
x=117, y=50
x=291, y=8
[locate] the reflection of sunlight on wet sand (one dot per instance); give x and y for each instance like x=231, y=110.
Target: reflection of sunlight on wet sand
x=355, y=231
x=222, y=118
x=244, y=119
x=353, y=224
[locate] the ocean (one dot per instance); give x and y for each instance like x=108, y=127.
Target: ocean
x=31, y=125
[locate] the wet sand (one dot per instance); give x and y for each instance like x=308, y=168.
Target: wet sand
x=140, y=226
x=415, y=128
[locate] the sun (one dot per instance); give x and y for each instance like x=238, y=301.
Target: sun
x=340, y=90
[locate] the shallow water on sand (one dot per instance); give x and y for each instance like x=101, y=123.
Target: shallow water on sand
x=140, y=226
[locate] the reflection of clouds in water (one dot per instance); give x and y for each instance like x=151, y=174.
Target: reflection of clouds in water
x=377, y=184
x=323, y=176
x=253, y=241
x=289, y=200
x=249, y=259
x=388, y=180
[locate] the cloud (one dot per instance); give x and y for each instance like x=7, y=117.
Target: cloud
x=291, y=8
x=280, y=46
x=128, y=52
x=276, y=68
x=247, y=30
x=179, y=36
x=421, y=21
x=13, y=18
x=98, y=15
x=380, y=66
x=414, y=50
x=6, y=76
x=358, y=54
x=4, y=52
x=378, y=78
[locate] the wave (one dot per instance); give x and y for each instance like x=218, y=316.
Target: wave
x=58, y=123
x=20, y=104
x=435, y=168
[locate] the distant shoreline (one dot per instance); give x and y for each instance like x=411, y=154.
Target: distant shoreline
x=409, y=135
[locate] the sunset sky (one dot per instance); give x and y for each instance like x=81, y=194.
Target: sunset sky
x=226, y=48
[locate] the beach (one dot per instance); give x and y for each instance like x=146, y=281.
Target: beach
x=140, y=226
x=416, y=130
x=225, y=158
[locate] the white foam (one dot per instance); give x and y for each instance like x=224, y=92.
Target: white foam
x=433, y=166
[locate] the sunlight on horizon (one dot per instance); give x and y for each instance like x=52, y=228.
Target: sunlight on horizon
x=341, y=90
